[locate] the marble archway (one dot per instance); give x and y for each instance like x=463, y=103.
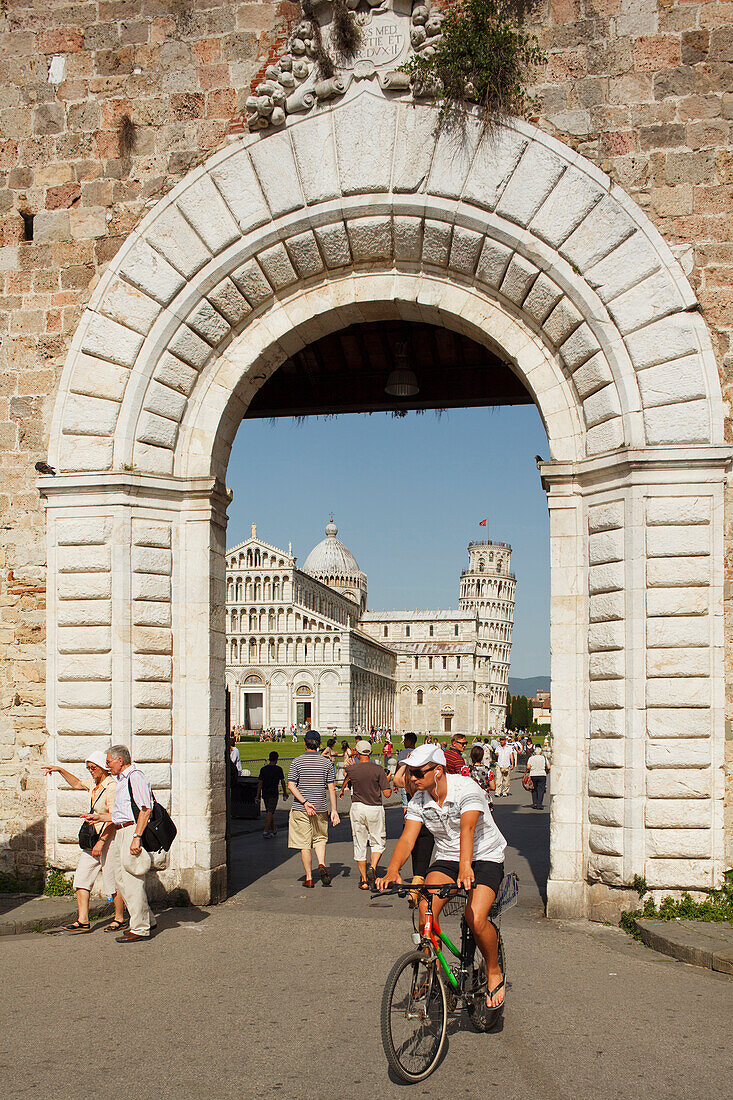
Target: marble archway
x=355, y=212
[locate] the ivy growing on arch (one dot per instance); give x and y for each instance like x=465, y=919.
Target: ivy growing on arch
x=482, y=59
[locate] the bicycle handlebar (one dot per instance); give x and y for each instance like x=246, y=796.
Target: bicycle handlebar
x=443, y=890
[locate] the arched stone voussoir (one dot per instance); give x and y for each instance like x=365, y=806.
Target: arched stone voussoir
x=371, y=185
x=465, y=256
x=230, y=381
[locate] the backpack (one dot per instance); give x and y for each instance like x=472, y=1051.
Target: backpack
x=482, y=777
x=160, y=832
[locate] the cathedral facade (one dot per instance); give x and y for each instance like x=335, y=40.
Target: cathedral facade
x=303, y=650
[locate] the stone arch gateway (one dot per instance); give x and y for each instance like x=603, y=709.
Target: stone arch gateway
x=362, y=211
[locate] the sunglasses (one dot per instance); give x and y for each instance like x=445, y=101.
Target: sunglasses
x=420, y=773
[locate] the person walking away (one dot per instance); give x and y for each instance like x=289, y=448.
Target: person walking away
x=537, y=768
x=482, y=774
x=271, y=776
x=505, y=761
x=455, y=763
x=312, y=783
x=131, y=811
x=469, y=850
x=101, y=790
x=369, y=782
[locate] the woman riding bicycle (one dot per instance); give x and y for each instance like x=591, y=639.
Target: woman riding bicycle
x=469, y=849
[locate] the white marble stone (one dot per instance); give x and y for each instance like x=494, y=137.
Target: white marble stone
x=531, y=182
x=171, y=235
x=236, y=181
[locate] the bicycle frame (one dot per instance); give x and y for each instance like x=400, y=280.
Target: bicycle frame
x=431, y=928
x=433, y=933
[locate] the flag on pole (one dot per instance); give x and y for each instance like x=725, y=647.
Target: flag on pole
x=483, y=523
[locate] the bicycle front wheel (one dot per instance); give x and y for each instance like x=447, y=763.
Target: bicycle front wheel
x=414, y=1016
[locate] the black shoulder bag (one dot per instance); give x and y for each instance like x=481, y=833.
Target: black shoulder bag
x=160, y=832
x=88, y=835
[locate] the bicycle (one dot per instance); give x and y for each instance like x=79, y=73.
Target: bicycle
x=423, y=987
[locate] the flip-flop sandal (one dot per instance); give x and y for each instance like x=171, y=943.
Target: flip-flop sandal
x=363, y=885
x=116, y=926
x=77, y=926
x=492, y=993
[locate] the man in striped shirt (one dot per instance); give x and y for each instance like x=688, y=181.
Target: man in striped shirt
x=312, y=783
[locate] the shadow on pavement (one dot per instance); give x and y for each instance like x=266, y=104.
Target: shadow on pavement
x=175, y=916
x=252, y=857
x=527, y=832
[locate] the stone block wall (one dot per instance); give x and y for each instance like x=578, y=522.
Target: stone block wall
x=105, y=106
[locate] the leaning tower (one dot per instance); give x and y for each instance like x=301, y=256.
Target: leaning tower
x=487, y=590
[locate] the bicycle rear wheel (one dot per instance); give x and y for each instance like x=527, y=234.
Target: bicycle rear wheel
x=481, y=1016
x=414, y=1016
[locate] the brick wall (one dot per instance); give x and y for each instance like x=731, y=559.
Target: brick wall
x=105, y=105
x=179, y=70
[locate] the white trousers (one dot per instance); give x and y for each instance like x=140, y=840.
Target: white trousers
x=130, y=879
x=505, y=773
x=367, y=827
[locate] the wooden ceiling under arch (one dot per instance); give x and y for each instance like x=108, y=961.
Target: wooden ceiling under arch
x=452, y=370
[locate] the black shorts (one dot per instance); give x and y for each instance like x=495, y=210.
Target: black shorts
x=270, y=803
x=485, y=872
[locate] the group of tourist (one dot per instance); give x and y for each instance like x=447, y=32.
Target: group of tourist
x=312, y=782
x=449, y=829
x=439, y=788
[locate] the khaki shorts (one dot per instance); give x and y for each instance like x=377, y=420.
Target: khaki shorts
x=305, y=830
x=367, y=827
x=89, y=867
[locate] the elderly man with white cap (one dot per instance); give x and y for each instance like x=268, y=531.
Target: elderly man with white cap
x=101, y=787
x=469, y=849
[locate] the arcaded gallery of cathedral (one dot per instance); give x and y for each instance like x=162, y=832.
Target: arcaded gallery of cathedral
x=303, y=650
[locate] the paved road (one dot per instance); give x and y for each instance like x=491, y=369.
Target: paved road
x=277, y=992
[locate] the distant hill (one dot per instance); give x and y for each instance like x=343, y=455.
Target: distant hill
x=528, y=685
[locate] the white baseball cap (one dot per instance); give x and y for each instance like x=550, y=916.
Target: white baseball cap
x=425, y=754
x=364, y=748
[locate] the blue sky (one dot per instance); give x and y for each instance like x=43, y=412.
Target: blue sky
x=407, y=496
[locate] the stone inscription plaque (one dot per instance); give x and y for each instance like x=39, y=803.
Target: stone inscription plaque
x=384, y=44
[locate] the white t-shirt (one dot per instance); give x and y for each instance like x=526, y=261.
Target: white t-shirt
x=505, y=756
x=236, y=759
x=444, y=822
x=537, y=765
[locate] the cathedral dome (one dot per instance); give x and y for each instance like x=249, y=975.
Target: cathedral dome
x=331, y=557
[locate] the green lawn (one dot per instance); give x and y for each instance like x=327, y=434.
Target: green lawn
x=256, y=752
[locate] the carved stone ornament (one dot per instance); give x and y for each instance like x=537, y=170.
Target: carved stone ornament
x=392, y=32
